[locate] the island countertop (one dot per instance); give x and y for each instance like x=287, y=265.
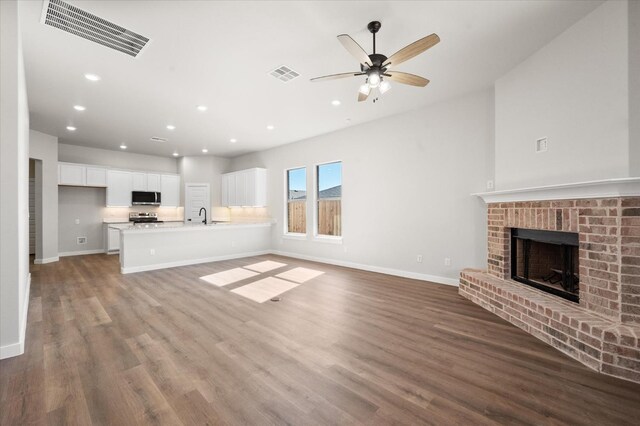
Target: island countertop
x=127, y=228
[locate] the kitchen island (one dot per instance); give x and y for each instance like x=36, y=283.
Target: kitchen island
x=166, y=245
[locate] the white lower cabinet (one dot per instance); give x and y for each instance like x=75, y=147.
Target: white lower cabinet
x=112, y=239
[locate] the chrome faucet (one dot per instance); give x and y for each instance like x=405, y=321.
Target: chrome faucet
x=205, y=214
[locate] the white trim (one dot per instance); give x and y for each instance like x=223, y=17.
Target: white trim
x=153, y=267
x=15, y=349
x=370, y=268
x=328, y=239
x=606, y=188
x=46, y=260
x=295, y=236
x=80, y=252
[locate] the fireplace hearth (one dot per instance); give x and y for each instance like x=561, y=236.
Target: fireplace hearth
x=546, y=260
x=584, y=250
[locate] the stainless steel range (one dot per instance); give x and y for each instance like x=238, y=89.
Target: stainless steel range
x=144, y=217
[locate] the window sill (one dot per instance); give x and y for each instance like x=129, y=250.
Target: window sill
x=292, y=236
x=327, y=239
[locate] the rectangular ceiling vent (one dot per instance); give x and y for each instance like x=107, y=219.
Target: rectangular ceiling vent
x=284, y=74
x=158, y=139
x=71, y=19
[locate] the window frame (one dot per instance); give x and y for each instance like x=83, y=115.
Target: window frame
x=286, y=233
x=334, y=239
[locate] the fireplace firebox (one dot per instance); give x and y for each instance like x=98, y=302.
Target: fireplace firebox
x=547, y=260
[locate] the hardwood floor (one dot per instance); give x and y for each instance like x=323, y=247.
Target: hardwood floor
x=347, y=347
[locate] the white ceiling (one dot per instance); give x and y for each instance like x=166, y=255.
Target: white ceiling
x=219, y=54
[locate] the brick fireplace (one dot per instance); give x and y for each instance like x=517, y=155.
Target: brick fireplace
x=602, y=330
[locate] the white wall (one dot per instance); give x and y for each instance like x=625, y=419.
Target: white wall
x=87, y=205
x=407, y=182
x=44, y=147
x=14, y=180
x=205, y=169
x=120, y=159
x=634, y=88
x=575, y=91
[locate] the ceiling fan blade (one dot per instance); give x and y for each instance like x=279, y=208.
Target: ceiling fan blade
x=355, y=49
x=414, y=49
x=362, y=97
x=336, y=76
x=406, y=78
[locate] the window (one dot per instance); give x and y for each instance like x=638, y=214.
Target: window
x=297, y=201
x=329, y=198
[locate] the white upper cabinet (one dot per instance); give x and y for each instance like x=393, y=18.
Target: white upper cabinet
x=71, y=174
x=154, y=182
x=81, y=175
x=120, y=183
x=246, y=188
x=170, y=185
x=96, y=176
x=119, y=187
x=139, y=181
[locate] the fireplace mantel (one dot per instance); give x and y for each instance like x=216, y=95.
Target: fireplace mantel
x=622, y=187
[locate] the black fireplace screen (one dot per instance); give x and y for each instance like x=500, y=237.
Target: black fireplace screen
x=547, y=260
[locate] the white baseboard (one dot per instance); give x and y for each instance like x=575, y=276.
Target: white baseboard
x=15, y=349
x=370, y=268
x=190, y=262
x=46, y=260
x=80, y=252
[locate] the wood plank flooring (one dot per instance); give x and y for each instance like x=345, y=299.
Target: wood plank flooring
x=347, y=347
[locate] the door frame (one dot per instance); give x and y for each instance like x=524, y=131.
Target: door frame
x=187, y=201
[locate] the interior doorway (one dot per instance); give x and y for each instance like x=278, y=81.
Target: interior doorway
x=35, y=210
x=32, y=207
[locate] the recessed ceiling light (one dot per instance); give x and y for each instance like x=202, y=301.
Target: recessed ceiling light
x=270, y=127
x=71, y=128
x=202, y=108
x=123, y=146
x=92, y=77
x=205, y=150
x=335, y=102
x=233, y=140
x=79, y=108
x=171, y=127
x=175, y=154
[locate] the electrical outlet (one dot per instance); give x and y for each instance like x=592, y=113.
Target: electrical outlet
x=541, y=145
x=447, y=261
x=489, y=184
x=345, y=249
x=77, y=221
x=152, y=252
x=233, y=244
x=82, y=240
x=419, y=258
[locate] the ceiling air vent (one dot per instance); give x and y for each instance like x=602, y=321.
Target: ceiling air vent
x=284, y=74
x=71, y=19
x=158, y=139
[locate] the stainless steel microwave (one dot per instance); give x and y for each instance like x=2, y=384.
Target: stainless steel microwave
x=145, y=198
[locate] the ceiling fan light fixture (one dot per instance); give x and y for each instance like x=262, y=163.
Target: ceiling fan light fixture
x=384, y=87
x=374, y=79
x=365, y=89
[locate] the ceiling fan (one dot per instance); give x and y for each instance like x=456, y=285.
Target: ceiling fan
x=377, y=67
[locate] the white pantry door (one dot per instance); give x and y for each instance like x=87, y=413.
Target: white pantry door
x=196, y=196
